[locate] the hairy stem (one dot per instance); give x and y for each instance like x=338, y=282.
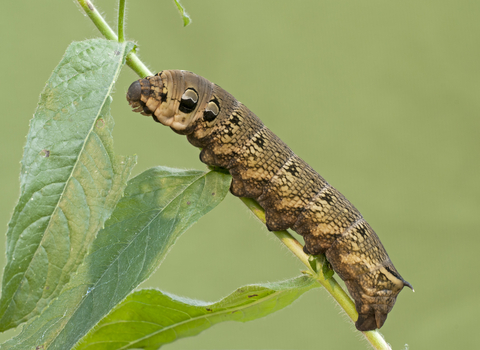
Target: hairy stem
x=137, y=65
x=330, y=284
x=121, y=21
x=98, y=20
x=132, y=59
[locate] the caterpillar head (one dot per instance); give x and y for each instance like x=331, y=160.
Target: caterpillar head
x=179, y=99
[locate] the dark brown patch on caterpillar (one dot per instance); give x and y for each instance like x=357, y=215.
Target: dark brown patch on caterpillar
x=291, y=192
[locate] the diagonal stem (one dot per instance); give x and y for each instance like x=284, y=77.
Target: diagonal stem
x=330, y=284
x=132, y=59
x=373, y=337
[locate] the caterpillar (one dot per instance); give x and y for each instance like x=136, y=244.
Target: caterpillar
x=292, y=194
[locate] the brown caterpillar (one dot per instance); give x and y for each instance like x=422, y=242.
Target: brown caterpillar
x=291, y=192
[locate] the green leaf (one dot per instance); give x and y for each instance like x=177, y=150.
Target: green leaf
x=148, y=319
x=185, y=16
x=313, y=262
x=158, y=206
x=70, y=179
x=319, y=263
x=324, y=266
x=327, y=270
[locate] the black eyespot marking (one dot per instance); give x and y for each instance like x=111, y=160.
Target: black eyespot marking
x=189, y=101
x=212, y=110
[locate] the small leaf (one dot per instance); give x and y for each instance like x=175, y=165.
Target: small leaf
x=70, y=179
x=327, y=271
x=313, y=262
x=158, y=206
x=185, y=16
x=148, y=319
x=320, y=262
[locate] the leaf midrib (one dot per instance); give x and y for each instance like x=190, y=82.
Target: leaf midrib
x=93, y=286
x=57, y=207
x=204, y=316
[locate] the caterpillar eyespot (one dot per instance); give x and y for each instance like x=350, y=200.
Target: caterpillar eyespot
x=292, y=194
x=211, y=111
x=188, y=101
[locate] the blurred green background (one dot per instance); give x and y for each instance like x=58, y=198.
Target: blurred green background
x=380, y=97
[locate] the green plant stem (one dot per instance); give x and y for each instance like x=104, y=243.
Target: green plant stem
x=137, y=65
x=121, y=21
x=331, y=285
x=98, y=20
x=132, y=59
